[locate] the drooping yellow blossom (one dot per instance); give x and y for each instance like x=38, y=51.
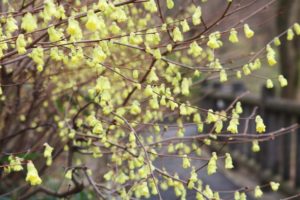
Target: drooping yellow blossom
x=21, y=44
x=135, y=108
x=237, y=195
x=69, y=174
x=185, y=84
x=37, y=56
x=233, y=123
x=195, y=49
x=260, y=126
x=11, y=25
x=238, y=108
x=48, y=150
x=74, y=29
x=219, y=126
x=152, y=76
x=54, y=35
x=211, y=117
x=170, y=4
x=277, y=41
x=248, y=32
x=196, y=18
x=223, y=76
x=255, y=146
x=246, y=70
x=92, y=21
x=32, y=174
x=49, y=11
x=274, y=185
x=283, y=82
x=15, y=163
x=258, y=192
x=228, y=161
x=98, y=55
x=212, y=164
x=193, y=179
x=269, y=84
x=233, y=37
x=185, y=162
x=151, y=6
x=213, y=41
x=296, y=27
x=290, y=34
x=185, y=26
x=29, y=23
x=177, y=35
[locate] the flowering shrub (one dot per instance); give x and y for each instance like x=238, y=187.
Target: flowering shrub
x=98, y=79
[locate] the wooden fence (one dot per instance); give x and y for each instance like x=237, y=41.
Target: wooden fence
x=279, y=157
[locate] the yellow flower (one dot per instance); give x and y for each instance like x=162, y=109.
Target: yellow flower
x=109, y=175
x=151, y=6
x=233, y=37
x=195, y=49
x=238, y=108
x=237, y=195
x=135, y=108
x=196, y=18
x=98, y=129
x=228, y=161
x=74, y=29
x=213, y=42
x=260, y=126
x=185, y=85
x=290, y=34
x=54, y=35
x=193, y=179
x=243, y=196
x=297, y=28
x=246, y=69
x=11, y=25
x=37, y=56
x=185, y=162
x=223, y=76
x=114, y=28
x=29, y=22
x=169, y=47
x=212, y=164
x=219, y=126
x=257, y=192
x=238, y=74
x=92, y=23
x=248, y=32
x=211, y=117
x=277, y=41
x=185, y=26
x=15, y=163
x=274, y=186
x=48, y=150
x=156, y=54
x=283, y=82
x=269, y=84
x=170, y=4
x=32, y=175
x=152, y=76
x=69, y=174
x=255, y=146
x=177, y=35
x=21, y=44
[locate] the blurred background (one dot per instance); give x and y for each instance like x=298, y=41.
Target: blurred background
x=279, y=158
